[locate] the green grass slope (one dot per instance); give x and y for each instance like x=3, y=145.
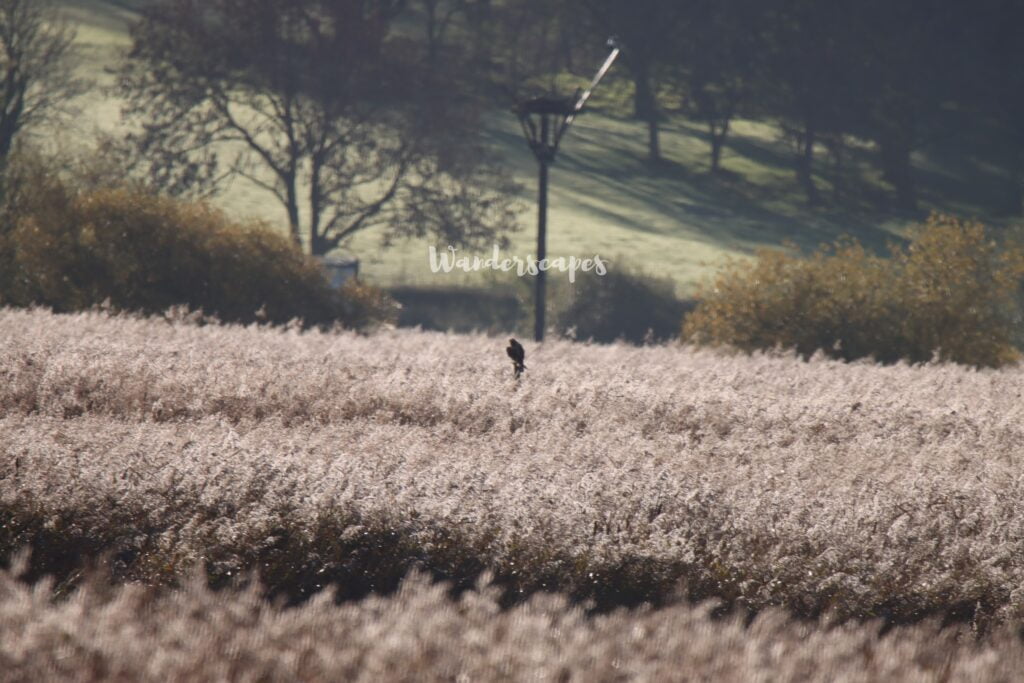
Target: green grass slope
x=676, y=220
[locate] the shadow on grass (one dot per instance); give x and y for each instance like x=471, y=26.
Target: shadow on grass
x=720, y=210
x=292, y=566
x=602, y=174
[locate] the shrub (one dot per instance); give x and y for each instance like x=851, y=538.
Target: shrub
x=622, y=304
x=462, y=309
x=27, y=183
x=146, y=253
x=950, y=293
x=362, y=306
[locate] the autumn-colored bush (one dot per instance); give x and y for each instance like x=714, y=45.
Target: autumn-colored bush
x=140, y=252
x=28, y=184
x=951, y=293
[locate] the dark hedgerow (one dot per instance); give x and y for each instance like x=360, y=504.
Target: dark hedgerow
x=951, y=293
x=623, y=304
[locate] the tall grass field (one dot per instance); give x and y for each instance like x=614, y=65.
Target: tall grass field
x=247, y=503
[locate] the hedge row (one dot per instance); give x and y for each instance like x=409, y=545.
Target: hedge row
x=72, y=250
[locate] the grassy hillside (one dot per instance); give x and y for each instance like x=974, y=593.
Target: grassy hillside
x=611, y=475
x=676, y=220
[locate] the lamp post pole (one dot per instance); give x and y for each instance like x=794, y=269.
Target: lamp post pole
x=554, y=116
x=542, y=235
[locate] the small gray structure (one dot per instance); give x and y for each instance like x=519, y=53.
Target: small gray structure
x=339, y=269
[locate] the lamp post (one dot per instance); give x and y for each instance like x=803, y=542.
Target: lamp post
x=545, y=120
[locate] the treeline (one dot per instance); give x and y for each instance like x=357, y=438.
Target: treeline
x=367, y=115
x=898, y=76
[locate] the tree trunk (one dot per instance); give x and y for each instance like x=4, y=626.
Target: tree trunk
x=837, y=148
x=805, y=165
x=320, y=246
x=717, y=136
x=316, y=207
x=11, y=120
x=431, y=29
x=897, y=169
x=653, y=143
x=292, y=207
x=716, y=153
x=645, y=108
x=1015, y=205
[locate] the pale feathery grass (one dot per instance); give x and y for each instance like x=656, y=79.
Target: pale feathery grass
x=134, y=633
x=609, y=472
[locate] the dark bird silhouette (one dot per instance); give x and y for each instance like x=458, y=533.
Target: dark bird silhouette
x=517, y=353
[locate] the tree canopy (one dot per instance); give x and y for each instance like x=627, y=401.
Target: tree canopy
x=37, y=79
x=320, y=102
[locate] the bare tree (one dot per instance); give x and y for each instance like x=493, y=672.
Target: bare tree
x=317, y=102
x=37, y=78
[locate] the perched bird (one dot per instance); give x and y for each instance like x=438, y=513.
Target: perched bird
x=516, y=352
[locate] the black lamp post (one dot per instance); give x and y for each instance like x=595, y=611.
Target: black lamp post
x=544, y=121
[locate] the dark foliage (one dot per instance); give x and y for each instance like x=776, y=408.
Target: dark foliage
x=138, y=252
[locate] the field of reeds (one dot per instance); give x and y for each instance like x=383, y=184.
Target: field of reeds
x=236, y=502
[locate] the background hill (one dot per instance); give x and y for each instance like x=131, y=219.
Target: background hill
x=675, y=220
